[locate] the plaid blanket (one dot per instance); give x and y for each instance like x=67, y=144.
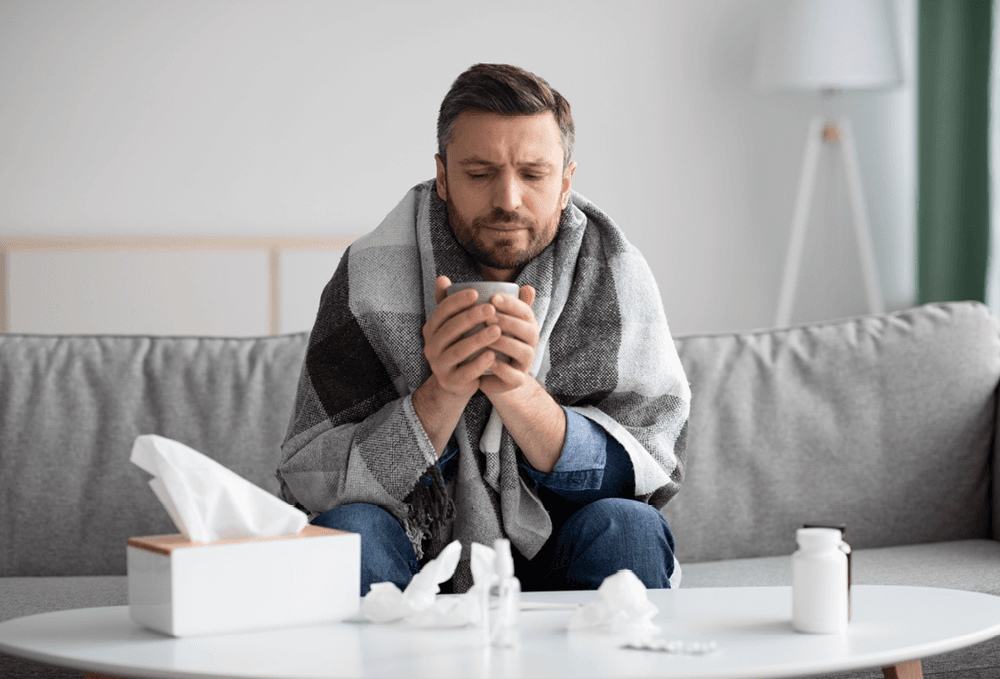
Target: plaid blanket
x=605, y=351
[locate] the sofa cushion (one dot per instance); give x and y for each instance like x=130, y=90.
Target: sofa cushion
x=962, y=564
x=30, y=596
x=884, y=423
x=71, y=408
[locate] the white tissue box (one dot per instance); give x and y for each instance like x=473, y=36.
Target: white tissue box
x=185, y=588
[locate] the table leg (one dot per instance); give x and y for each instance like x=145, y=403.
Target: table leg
x=910, y=669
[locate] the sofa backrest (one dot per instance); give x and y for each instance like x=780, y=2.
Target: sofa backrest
x=885, y=423
x=71, y=408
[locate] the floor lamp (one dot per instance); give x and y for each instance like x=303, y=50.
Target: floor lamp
x=827, y=46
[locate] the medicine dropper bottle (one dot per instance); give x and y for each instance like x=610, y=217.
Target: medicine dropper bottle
x=505, y=631
x=819, y=582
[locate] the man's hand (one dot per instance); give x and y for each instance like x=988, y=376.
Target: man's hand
x=440, y=400
x=535, y=421
x=533, y=418
x=445, y=347
x=519, y=340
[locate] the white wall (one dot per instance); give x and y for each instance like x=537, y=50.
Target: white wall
x=296, y=117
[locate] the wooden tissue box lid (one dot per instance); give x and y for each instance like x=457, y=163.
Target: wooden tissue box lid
x=165, y=544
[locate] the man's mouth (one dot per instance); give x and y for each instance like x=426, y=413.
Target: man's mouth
x=506, y=226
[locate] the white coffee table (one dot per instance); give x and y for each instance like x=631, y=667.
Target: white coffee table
x=751, y=627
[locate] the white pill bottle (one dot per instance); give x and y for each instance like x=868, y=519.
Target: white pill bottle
x=819, y=582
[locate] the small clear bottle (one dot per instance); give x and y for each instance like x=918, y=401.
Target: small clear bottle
x=819, y=582
x=505, y=629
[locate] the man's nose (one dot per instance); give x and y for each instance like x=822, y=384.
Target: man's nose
x=507, y=192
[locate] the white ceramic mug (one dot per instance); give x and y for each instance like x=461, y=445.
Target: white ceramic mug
x=486, y=290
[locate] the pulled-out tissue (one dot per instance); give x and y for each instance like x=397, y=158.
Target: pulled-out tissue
x=385, y=603
x=208, y=502
x=419, y=604
x=622, y=607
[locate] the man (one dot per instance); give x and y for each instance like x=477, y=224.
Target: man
x=570, y=449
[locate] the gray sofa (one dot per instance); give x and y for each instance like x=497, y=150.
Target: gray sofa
x=886, y=423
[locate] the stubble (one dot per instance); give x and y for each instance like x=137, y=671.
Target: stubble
x=501, y=253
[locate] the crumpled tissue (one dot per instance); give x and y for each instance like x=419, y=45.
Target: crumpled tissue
x=419, y=605
x=622, y=607
x=208, y=502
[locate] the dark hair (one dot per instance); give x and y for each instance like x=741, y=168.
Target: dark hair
x=504, y=89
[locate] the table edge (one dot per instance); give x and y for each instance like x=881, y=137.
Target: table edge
x=876, y=660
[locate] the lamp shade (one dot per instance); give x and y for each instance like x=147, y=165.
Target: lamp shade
x=826, y=44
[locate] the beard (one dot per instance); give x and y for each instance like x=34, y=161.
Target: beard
x=501, y=253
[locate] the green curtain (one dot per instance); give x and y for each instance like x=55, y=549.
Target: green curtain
x=953, y=116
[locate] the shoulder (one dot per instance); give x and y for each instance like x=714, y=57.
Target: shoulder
x=399, y=226
x=602, y=237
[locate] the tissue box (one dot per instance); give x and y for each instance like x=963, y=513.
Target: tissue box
x=185, y=588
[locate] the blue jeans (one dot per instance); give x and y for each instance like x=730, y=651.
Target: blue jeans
x=595, y=541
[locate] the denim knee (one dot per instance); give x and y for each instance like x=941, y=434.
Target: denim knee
x=610, y=534
x=386, y=552
x=359, y=517
x=627, y=517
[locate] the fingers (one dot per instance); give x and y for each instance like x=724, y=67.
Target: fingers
x=441, y=286
x=454, y=336
x=527, y=294
x=515, y=306
x=467, y=320
x=465, y=348
x=521, y=355
x=515, y=318
x=461, y=337
x=458, y=368
x=451, y=306
x=505, y=377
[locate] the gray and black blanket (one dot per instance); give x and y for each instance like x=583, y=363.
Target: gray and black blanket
x=605, y=351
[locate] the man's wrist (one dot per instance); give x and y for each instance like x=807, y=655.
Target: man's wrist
x=536, y=421
x=438, y=410
x=529, y=390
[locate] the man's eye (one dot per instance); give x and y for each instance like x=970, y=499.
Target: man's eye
x=532, y=177
x=477, y=176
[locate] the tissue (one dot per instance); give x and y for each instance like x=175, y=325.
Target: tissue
x=622, y=607
x=419, y=604
x=208, y=502
x=385, y=603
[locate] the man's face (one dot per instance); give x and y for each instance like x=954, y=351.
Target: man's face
x=505, y=187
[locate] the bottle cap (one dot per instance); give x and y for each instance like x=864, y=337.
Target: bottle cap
x=842, y=527
x=818, y=538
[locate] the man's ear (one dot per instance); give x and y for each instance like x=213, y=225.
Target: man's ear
x=442, y=178
x=567, y=184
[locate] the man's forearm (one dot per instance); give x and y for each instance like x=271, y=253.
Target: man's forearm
x=536, y=421
x=439, y=412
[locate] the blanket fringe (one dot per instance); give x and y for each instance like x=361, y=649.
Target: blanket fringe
x=430, y=509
